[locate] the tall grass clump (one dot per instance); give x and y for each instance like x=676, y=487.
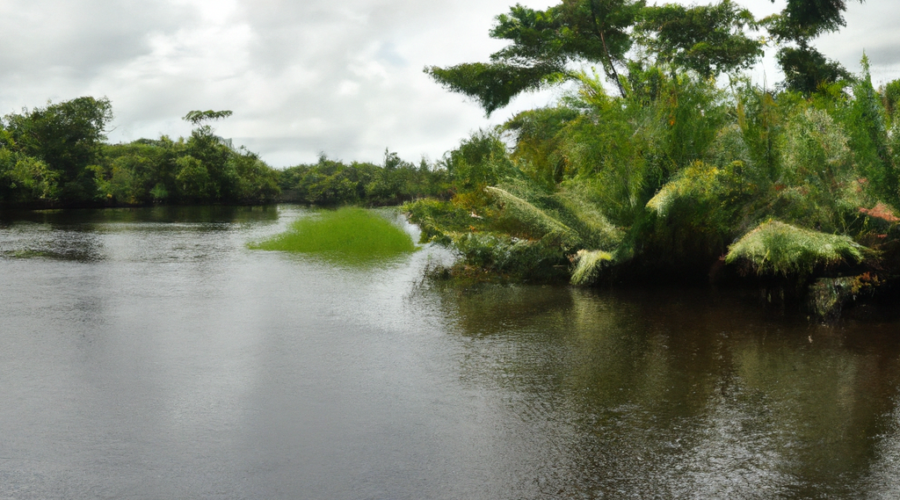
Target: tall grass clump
x=778, y=248
x=346, y=234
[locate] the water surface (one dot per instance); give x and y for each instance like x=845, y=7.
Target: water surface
x=147, y=353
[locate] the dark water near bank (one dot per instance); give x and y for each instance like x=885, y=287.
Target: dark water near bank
x=148, y=354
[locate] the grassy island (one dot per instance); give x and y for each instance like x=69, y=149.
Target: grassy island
x=346, y=234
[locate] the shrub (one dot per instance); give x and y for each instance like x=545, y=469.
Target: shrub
x=778, y=248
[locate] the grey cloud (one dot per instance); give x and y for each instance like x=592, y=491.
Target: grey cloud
x=884, y=54
x=81, y=37
x=871, y=27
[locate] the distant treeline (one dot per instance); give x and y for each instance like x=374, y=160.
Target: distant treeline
x=58, y=156
x=330, y=182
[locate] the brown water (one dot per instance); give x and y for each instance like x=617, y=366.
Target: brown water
x=148, y=354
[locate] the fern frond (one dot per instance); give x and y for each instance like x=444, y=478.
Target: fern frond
x=587, y=266
x=779, y=248
x=534, y=218
x=699, y=180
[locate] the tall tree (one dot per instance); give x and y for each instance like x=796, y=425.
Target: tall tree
x=544, y=44
x=68, y=137
x=805, y=68
x=708, y=39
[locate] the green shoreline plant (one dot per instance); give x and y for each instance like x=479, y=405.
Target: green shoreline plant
x=662, y=173
x=777, y=248
x=347, y=235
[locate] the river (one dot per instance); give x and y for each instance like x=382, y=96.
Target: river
x=147, y=353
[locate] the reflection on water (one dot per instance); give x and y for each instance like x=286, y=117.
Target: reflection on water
x=684, y=394
x=91, y=235
x=148, y=353
x=88, y=219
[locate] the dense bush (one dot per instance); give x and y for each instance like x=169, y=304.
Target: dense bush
x=675, y=179
x=58, y=155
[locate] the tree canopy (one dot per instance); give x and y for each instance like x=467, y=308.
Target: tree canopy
x=546, y=47
x=68, y=137
x=805, y=68
x=543, y=43
x=707, y=39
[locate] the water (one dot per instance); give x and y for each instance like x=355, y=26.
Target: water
x=149, y=354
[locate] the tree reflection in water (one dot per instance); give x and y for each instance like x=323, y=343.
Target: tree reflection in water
x=682, y=394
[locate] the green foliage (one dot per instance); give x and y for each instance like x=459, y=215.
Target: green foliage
x=331, y=182
x=817, y=184
x=542, y=43
x=566, y=217
x=198, y=117
x=440, y=221
x=159, y=193
x=660, y=178
x=23, y=178
x=587, y=266
x=349, y=235
x=539, y=135
x=479, y=161
x=628, y=149
x=67, y=137
x=529, y=260
x=493, y=85
x=665, y=177
x=575, y=208
x=708, y=39
x=806, y=70
x=891, y=97
x=698, y=182
x=531, y=220
x=806, y=19
x=193, y=178
x=867, y=123
x=597, y=31
x=255, y=181
x=755, y=138
x=57, y=154
x=778, y=248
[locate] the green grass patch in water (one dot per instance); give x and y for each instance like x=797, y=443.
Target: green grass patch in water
x=349, y=235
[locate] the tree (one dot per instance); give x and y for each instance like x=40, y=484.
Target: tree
x=805, y=68
x=707, y=39
x=68, y=137
x=193, y=179
x=23, y=178
x=544, y=44
x=807, y=19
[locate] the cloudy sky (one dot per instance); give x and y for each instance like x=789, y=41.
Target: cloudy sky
x=304, y=76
